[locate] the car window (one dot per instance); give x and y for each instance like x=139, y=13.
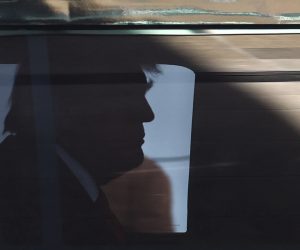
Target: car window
x=150, y=138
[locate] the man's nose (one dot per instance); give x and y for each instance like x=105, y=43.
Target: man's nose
x=147, y=112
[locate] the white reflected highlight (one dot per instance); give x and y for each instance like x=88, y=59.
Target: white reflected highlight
x=169, y=135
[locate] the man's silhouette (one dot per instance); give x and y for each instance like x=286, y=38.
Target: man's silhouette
x=99, y=132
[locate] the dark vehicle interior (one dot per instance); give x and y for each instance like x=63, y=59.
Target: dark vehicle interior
x=143, y=124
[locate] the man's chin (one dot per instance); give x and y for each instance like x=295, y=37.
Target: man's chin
x=132, y=158
x=126, y=161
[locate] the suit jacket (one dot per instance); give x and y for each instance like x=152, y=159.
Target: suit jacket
x=81, y=221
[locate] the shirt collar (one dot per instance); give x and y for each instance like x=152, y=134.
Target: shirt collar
x=83, y=176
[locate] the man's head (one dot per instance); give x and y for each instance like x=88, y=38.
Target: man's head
x=99, y=120
x=99, y=105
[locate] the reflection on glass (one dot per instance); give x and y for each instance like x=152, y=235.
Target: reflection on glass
x=151, y=12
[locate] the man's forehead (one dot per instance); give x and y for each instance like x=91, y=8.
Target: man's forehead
x=100, y=78
x=100, y=86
